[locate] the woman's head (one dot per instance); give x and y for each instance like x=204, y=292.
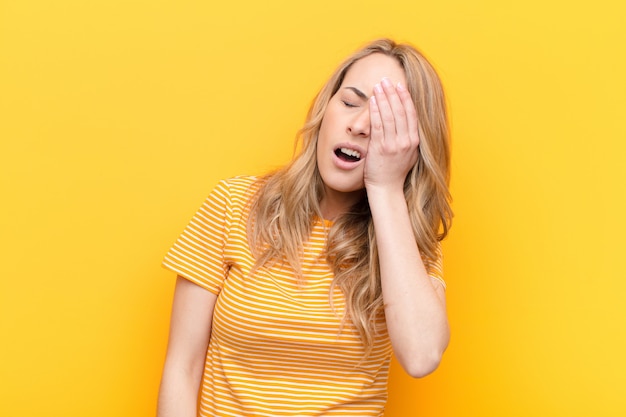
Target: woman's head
x=431, y=171
x=343, y=139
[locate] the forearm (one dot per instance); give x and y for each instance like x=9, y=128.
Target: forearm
x=415, y=311
x=178, y=394
x=190, y=331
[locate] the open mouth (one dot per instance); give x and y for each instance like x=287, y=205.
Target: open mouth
x=348, y=155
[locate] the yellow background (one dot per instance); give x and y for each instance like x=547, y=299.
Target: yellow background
x=117, y=117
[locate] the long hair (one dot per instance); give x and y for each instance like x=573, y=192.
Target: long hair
x=285, y=206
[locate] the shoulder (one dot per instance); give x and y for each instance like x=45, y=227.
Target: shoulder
x=241, y=186
x=237, y=192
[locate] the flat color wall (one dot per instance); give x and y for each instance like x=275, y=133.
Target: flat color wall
x=118, y=117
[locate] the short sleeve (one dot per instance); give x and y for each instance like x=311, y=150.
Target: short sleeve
x=198, y=253
x=434, y=267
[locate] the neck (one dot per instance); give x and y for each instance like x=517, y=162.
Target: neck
x=334, y=203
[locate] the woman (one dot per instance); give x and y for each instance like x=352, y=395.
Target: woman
x=294, y=289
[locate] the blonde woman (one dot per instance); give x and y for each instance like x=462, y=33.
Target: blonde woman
x=295, y=288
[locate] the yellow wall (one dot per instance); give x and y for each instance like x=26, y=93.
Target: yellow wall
x=117, y=117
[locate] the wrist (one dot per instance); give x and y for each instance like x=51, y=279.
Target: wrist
x=384, y=191
x=385, y=198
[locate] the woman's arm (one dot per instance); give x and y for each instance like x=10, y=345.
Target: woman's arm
x=415, y=307
x=190, y=330
x=414, y=303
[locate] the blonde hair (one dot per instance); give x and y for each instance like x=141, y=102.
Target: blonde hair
x=287, y=202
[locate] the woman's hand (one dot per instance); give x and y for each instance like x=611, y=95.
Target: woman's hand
x=394, y=138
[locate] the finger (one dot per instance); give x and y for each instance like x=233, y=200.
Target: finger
x=376, y=123
x=397, y=109
x=386, y=114
x=411, y=113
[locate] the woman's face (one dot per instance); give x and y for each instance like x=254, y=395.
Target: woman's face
x=344, y=133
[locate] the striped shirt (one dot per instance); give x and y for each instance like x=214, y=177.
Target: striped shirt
x=277, y=347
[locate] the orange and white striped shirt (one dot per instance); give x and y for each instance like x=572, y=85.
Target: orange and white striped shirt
x=277, y=348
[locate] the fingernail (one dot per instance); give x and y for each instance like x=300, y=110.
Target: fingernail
x=378, y=88
x=386, y=82
x=401, y=87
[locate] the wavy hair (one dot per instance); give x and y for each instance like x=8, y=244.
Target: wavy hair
x=288, y=201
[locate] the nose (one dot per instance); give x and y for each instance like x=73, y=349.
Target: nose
x=359, y=125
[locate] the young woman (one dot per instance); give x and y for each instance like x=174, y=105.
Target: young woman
x=295, y=288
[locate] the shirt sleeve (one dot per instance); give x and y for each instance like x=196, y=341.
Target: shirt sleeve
x=434, y=267
x=198, y=253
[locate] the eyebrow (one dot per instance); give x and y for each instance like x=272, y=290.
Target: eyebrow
x=358, y=92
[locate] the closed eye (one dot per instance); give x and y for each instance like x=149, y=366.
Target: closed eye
x=352, y=97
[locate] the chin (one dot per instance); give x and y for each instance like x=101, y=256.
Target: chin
x=342, y=182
